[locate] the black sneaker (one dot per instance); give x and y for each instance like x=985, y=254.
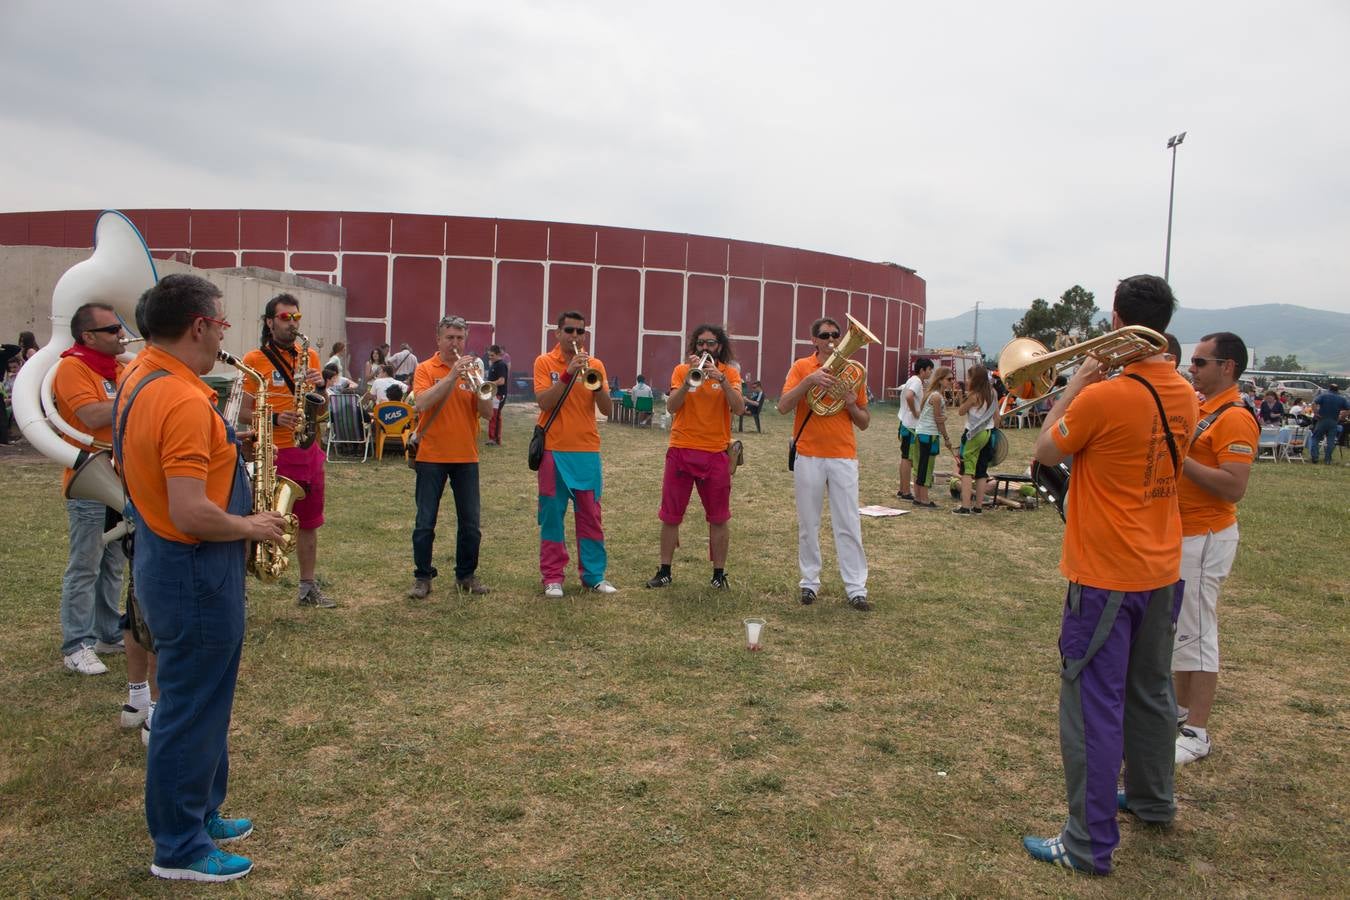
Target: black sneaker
x=962, y=511
x=859, y=603
x=720, y=582
x=659, y=581
x=903, y=495
x=808, y=596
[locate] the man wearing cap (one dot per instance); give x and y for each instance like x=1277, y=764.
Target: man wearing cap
x=1327, y=409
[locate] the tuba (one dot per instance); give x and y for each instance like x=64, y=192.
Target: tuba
x=849, y=372
x=309, y=405
x=267, y=559
x=118, y=272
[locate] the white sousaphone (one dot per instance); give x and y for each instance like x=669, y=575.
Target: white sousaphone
x=118, y=272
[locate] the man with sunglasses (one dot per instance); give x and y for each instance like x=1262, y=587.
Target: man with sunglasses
x=277, y=359
x=84, y=385
x=1122, y=558
x=827, y=458
x=1214, y=479
x=571, y=464
x=700, y=434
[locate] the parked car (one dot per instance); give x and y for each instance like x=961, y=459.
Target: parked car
x=1302, y=390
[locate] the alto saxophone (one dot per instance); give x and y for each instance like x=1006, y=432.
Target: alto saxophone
x=309, y=405
x=268, y=559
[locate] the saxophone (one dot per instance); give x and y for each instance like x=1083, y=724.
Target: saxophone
x=268, y=559
x=309, y=405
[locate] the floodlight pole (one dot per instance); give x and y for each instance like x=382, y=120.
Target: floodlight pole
x=1172, y=144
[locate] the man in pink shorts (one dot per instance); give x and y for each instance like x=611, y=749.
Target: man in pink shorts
x=700, y=449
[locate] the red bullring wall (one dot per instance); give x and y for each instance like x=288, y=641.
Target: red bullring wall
x=510, y=278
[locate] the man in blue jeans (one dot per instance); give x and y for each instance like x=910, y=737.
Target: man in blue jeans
x=1327, y=409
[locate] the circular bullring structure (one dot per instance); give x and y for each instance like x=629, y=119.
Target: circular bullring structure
x=641, y=290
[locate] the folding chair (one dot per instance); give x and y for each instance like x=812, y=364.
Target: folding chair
x=391, y=419
x=346, y=424
x=1294, y=447
x=1269, y=446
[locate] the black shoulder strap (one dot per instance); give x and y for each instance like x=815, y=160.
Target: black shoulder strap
x=1203, y=425
x=558, y=407
x=1162, y=419
x=270, y=351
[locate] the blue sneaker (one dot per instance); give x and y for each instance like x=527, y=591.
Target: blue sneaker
x=1053, y=851
x=223, y=831
x=218, y=865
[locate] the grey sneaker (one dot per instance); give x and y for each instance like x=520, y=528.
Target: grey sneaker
x=315, y=597
x=421, y=587
x=471, y=585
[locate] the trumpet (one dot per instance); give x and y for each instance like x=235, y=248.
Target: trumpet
x=485, y=390
x=696, y=375
x=1029, y=370
x=590, y=378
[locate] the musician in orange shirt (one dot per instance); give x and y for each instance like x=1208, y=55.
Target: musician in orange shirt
x=448, y=411
x=827, y=456
x=700, y=433
x=1122, y=558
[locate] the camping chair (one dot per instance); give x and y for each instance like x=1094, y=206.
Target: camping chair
x=1293, y=448
x=346, y=424
x=392, y=419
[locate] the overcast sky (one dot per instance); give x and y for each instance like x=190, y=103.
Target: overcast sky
x=1004, y=150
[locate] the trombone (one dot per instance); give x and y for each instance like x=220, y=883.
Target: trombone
x=590, y=378
x=696, y=375
x=1029, y=370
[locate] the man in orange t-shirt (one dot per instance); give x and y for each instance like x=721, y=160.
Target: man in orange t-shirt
x=277, y=360
x=1122, y=557
x=699, y=454
x=84, y=386
x=827, y=456
x=191, y=503
x=448, y=411
x=1214, y=479
x=571, y=464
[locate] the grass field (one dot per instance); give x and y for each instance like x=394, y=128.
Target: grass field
x=630, y=746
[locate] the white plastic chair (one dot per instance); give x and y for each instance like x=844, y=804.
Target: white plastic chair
x=1269, y=446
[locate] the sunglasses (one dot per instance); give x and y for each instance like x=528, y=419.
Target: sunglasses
x=108, y=329
x=712, y=343
x=221, y=322
x=828, y=335
x=569, y=329
x=1201, y=361
x=285, y=317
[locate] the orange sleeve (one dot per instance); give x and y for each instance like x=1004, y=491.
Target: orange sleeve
x=422, y=379
x=543, y=374
x=1235, y=437
x=678, y=375
x=77, y=386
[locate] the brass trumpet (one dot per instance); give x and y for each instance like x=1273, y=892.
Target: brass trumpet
x=485, y=390
x=697, y=375
x=590, y=378
x=1029, y=370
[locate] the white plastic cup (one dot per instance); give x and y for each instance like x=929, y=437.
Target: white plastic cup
x=753, y=630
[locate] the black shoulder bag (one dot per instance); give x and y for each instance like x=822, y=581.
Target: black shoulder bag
x=535, y=457
x=792, y=447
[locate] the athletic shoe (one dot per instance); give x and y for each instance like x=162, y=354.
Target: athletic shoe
x=553, y=590
x=904, y=495
x=929, y=505
x=1190, y=747
x=859, y=603
x=85, y=662
x=223, y=831
x=720, y=582
x=976, y=510
x=145, y=726
x=1052, y=850
x=1123, y=804
x=315, y=597
x=658, y=580
x=808, y=596
x=604, y=587
x=131, y=716
x=1182, y=715
x=962, y=511
x=471, y=585
x=105, y=647
x=218, y=865
x=420, y=589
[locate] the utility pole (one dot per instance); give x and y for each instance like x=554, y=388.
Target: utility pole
x=975, y=340
x=1172, y=144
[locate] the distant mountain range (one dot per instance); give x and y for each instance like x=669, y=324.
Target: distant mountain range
x=1321, y=339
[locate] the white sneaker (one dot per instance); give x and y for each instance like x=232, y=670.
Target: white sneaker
x=604, y=587
x=1190, y=747
x=105, y=647
x=553, y=590
x=131, y=716
x=145, y=726
x=85, y=662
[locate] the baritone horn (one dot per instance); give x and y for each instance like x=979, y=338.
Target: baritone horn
x=590, y=378
x=1029, y=370
x=849, y=372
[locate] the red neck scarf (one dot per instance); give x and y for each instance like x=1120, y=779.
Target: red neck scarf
x=102, y=363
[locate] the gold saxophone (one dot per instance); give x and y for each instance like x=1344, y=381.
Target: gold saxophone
x=309, y=405
x=268, y=559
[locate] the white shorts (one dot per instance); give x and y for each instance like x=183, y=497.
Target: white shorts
x=1206, y=560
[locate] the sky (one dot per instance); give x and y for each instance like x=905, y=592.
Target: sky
x=1005, y=151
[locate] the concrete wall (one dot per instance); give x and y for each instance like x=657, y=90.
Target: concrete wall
x=29, y=274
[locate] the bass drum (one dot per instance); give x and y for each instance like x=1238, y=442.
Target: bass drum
x=1052, y=483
